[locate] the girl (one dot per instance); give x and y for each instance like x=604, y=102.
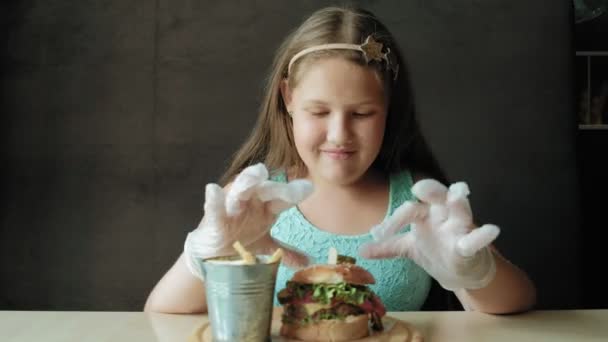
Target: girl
x=338, y=113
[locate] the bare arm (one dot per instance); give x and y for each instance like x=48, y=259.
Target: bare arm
x=511, y=291
x=178, y=291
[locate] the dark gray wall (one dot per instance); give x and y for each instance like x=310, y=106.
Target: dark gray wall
x=115, y=114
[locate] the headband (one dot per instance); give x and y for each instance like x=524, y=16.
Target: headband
x=371, y=49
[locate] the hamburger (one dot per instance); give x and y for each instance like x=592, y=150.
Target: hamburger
x=330, y=302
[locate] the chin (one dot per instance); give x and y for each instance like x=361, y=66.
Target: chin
x=339, y=179
x=344, y=178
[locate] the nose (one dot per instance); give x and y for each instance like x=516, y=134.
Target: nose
x=339, y=129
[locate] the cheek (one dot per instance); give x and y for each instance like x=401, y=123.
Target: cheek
x=306, y=133
x=375, y=133
x=380, y=132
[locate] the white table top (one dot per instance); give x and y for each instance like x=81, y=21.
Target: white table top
x=49, y=326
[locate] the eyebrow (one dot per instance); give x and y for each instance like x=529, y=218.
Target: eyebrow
x=323, y=103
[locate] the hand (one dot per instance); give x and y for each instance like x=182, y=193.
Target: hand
x=443, y=239
x=244, y=212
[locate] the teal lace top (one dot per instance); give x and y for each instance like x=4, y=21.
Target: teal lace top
x=401, y=284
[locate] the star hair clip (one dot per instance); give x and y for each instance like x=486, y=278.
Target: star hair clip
x=371, y=50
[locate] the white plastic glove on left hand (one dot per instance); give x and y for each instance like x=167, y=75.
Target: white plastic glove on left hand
x=442, y=239
x=245, y=213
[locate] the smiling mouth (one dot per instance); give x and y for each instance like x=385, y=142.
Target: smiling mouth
x=338, y=154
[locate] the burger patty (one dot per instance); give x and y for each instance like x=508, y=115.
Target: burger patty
x=295, y=312
x=303, y=306
x=298, y=312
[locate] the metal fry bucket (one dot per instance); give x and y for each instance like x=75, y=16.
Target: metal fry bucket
x=240, y=298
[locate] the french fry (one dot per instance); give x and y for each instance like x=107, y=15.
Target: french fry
x=276, y=256
x=248, y=258
x=332, y=256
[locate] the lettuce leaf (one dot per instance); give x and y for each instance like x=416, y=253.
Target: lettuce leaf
x=324, y=293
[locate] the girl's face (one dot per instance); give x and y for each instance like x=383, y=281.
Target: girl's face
x=339, y=116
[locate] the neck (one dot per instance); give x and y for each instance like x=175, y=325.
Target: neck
x=370, y=180
x=347, y=208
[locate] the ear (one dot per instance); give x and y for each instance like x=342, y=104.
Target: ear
x=286, y=93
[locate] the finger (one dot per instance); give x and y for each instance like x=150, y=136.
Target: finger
x=477, y=239
x=292, y=192
x=408, y=212
x=397, y=247
x=438, y=214
x=458, y=203
x=208, y=235
x=214, y=203
x=243, y=187
x=430, y=191
x=458, y=190
x=281, y=196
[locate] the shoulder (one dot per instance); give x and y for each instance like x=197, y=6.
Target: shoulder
x=285, y=175
x=279, y=176
x=418, y=176
x=404, y=179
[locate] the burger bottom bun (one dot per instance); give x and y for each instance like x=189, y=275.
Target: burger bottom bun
x=352, y=328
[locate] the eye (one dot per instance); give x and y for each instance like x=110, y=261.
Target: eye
x=363, y=114
x=318, y=112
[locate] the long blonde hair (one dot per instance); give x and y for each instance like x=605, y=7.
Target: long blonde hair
x=271, y=140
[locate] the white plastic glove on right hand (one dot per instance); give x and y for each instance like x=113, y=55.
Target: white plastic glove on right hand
x=245, y=213
x=443, y=239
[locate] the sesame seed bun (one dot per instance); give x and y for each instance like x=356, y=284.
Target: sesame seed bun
x=334, y=274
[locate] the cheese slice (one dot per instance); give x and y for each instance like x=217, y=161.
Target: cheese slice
x=311, y=308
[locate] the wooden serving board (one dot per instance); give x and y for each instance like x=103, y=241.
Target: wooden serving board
x=395, y=330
